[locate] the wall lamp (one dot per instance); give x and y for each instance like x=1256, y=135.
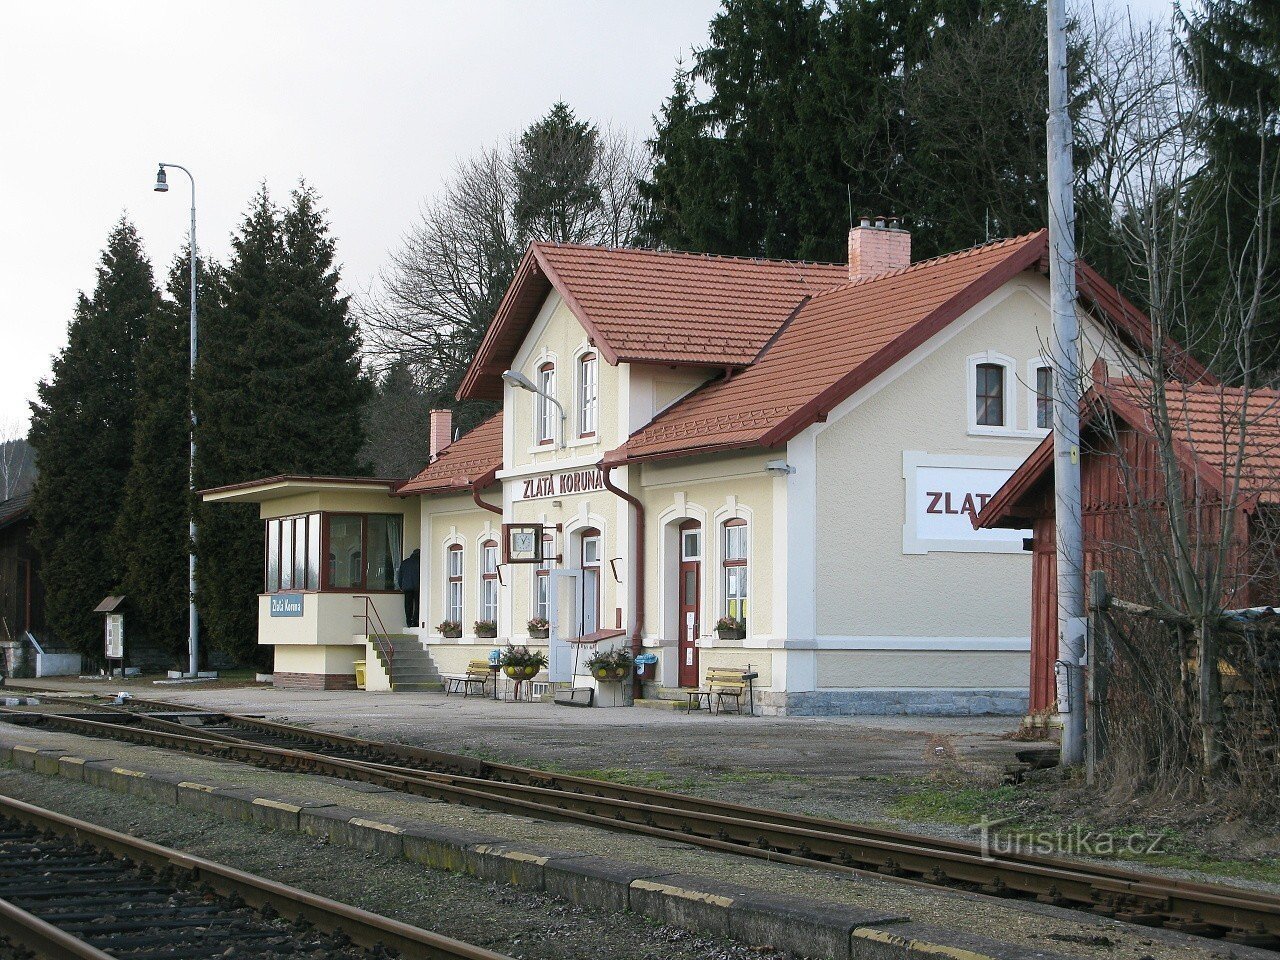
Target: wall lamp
x=515, y=379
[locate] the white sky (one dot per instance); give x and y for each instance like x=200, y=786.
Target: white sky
x=372, y=102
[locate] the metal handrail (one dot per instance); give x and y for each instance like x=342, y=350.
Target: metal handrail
x=383, y=641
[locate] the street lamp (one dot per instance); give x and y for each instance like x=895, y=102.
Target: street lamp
x=193, y=618
x=516, y=379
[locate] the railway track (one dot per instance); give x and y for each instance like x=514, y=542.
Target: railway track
x=72, y=890
x=1244, y=916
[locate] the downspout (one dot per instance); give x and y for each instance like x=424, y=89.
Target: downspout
x=476, y=486
x=637, y=632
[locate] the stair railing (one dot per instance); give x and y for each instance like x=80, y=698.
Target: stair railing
x=381, y=638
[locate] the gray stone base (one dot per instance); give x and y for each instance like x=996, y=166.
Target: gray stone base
x=883, y=703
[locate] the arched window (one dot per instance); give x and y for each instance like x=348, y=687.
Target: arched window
x=544, y=427
x=453, y=585
x=735, y=568
x=588, y=395
x=989, y=394
x=489, y=581
x=541, y=580
x=1044, y=397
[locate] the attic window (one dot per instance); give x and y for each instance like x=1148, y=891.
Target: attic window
x=989, y=395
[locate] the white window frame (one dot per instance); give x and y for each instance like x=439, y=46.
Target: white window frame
x=588, y=393
x=744, y=578
x=489, y=581
x=542, y=576
x=1034, y=366
x=685, y=552
x=1010, y=425
x=544, y=411
x=454, y=581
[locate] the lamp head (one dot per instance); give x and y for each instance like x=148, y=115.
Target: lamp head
x=519, y=380
x=162, y=181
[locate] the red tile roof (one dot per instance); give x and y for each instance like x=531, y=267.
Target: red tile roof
x=650, y=306
x=471, y=458
x=1206, y=421
x=837, y=341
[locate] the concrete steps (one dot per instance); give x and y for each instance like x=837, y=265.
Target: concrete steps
x=665, y=698
x=411, y=667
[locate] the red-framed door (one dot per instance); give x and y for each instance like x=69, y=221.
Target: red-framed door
x=689, y=590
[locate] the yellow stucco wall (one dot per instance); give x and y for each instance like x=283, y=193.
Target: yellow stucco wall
x=317, y=659
x=448, y=519
x=866, y=584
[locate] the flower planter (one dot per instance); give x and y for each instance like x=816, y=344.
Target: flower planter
x=521, y=673
x=452, y=634
x=486, y=634
x=607, y=675
x=542, y=634
x=730, y=633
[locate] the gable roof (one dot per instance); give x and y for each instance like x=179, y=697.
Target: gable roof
x=837, y=342
x=840, y=340
x=473, y=457
x=1204, y=418
x=649, y=306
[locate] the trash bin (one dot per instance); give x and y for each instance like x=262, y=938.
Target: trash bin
x=359, y=674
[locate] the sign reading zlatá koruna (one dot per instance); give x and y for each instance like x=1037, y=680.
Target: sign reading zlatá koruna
x=286, y=604
x=560, y=484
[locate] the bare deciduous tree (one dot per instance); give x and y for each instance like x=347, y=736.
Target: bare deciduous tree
x=442, y=285
x=17, y=460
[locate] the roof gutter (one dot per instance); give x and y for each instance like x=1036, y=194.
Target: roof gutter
x=637, y=631
x=480, y=482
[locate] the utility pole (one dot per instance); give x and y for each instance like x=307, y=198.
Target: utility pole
x=1066, y=398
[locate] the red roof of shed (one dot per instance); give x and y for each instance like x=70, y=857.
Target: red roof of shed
x=465, y=461
x=1206, y=421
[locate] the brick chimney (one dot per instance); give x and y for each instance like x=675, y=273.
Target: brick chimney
x=440, y=427
x=878, y=248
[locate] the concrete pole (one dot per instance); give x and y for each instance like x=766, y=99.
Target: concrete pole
x=1066, y=397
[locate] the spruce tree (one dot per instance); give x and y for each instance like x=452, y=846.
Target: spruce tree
x=1232, y=49
x=151, y=533
x=278, y=390
x=82, y=429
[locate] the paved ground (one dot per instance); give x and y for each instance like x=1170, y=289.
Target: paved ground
x=847, y=767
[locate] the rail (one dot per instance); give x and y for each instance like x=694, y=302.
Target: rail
x=133, y=903
x=381, y=640
x=1242, y=915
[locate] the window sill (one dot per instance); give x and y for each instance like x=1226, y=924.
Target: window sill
x=1007, y=433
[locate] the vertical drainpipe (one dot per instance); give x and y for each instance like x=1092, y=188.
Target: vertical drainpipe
x=637, y=632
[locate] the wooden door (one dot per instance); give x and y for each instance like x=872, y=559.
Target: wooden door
x=689, y=590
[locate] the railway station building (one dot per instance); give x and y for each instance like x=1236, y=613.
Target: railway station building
x=797, y=447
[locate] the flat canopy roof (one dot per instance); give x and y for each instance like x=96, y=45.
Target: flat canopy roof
x=289, y=485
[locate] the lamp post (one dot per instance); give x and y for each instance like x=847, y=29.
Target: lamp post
x=516, y=379
x=193, y=618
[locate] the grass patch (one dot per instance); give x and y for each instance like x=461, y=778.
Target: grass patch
x=956, y=805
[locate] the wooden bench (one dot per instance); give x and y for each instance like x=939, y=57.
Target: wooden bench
x=723, y=682
x=474, y=680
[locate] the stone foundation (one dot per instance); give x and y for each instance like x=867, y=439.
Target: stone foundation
x=886, y=703
x=315, y=681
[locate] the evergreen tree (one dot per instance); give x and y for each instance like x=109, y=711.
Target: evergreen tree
x=397, y=417
x=814, y=111
x=278, y=390
x=1232, y=49
x=82, y=430
x=556, y=193
x=151, y=537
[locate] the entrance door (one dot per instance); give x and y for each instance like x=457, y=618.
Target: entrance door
x=689, y=589
x=589, y=561
x=564, y=607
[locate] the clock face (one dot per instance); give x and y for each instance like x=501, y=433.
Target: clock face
x=522, y=541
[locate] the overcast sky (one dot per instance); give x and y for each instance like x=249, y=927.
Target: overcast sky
x=372, y=102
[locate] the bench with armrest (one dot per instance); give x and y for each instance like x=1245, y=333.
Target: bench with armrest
x=724, y=683
x=473, y=681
